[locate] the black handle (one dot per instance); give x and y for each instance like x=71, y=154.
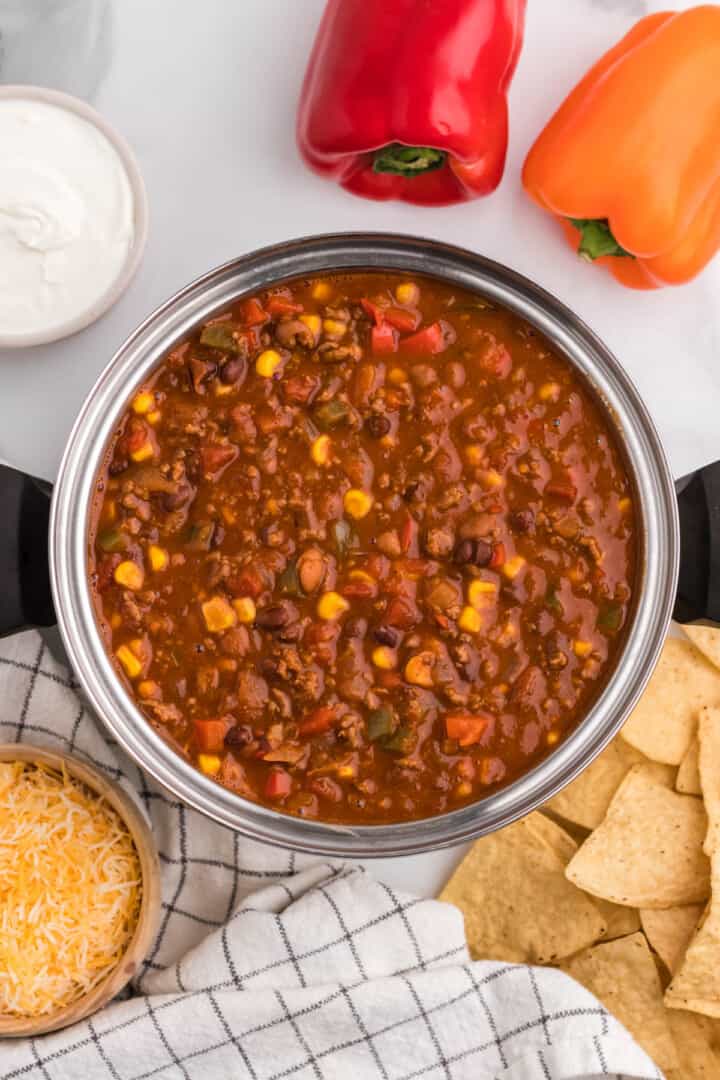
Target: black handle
x=25, y=596
x=698, y=594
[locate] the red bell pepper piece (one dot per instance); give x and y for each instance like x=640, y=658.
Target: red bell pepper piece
x=428, y=341
x=278, y=784
x=383, y=339
x=467, y=728
x=282, y=305
x=403, y=320
x=253, y=313
x=210, y=735
x=407, y=99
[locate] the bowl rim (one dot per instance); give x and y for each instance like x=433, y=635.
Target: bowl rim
x=338, y=253
x=148, y=916
x=48, y=96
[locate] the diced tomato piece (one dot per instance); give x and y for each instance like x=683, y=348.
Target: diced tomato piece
x=415, y=568
x=562, y=490
x=320, y=720
x=215, y=459
x=253, y=313
x=247, y=583
x=496, y=361
x=210, y=734
x=375, y=313
x=402, y=613
x=404, y=321
x=429, y=341
x=389, y=680
x=383, y=339
x=278, y=784
x=282, y=305
x=467, y=728
x=498, y=556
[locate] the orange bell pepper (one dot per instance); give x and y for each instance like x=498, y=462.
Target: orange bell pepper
x=630, y=162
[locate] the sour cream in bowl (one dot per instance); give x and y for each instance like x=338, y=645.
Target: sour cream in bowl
x=73, y=216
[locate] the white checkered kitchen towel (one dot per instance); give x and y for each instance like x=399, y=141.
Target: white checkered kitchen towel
x=268, y=966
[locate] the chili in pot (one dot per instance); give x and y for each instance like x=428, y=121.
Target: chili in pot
x=363, y=547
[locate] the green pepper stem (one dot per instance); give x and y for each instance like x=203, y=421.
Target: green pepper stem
x=596, y=239
x=408, y=160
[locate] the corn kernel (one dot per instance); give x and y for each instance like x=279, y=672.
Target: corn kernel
x=624, y=505
x=209, y=764
x=582, y=648
x=245, y=609
x=320, y=450
x=481, y=592
x=463, y=789
x=313, y=323
x=331, y=606
x=357, y=503
x=227, y=664
x=334, y=328
x=384, y=657
x=419, y=669
x=346, y=772
x=267, y=363
x=491, y=478
x=116, y=620
x=129, y=575
x=223, y=389
x=513, y=566
x=133, y=666
x=148, y=689
x=474, y=454
x=407, y=293
x=552, y=737
x=470, y=620
x=549, y=391
x=143, y=452
x=228, y=516
x=397, y=376
x=154, y=417
x=143, y=402
x=218, y=614
x=159, y=558
x=362, y=575
x=321, y=290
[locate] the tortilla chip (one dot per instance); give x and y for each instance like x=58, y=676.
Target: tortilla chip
x=663, y=723
x=697, y=1040
x=619, y=920
x=623, y=975
x=585, y=800
x=688, y=777
x=709, y=765
x=696, y=986
x=707, y=640
x=648, y=851
x=517, y=902
x=669, y=931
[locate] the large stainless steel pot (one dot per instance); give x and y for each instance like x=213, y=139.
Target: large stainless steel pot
x=655, y=501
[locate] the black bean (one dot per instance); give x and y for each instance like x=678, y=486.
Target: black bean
x=239, y=736
x=276, y=616
x=233, y=370
x=385, y=635
x=377, y=425
x=473, y=552
x=522, y=521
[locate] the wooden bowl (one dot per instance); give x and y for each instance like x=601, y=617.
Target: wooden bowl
x=148, y=917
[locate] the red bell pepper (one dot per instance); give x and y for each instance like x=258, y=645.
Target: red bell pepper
x=405, y=99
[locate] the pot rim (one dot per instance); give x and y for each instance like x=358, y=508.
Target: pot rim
x=645, y=458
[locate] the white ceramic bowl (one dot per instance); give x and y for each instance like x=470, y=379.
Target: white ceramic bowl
x=140, y=215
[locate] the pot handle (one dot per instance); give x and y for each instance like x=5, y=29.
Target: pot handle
x=25, y=594
x=698, y=593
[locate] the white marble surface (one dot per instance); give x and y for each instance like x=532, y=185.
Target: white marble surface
x=206, y=95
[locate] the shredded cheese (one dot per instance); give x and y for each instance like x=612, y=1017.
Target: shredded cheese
x=70, y=889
